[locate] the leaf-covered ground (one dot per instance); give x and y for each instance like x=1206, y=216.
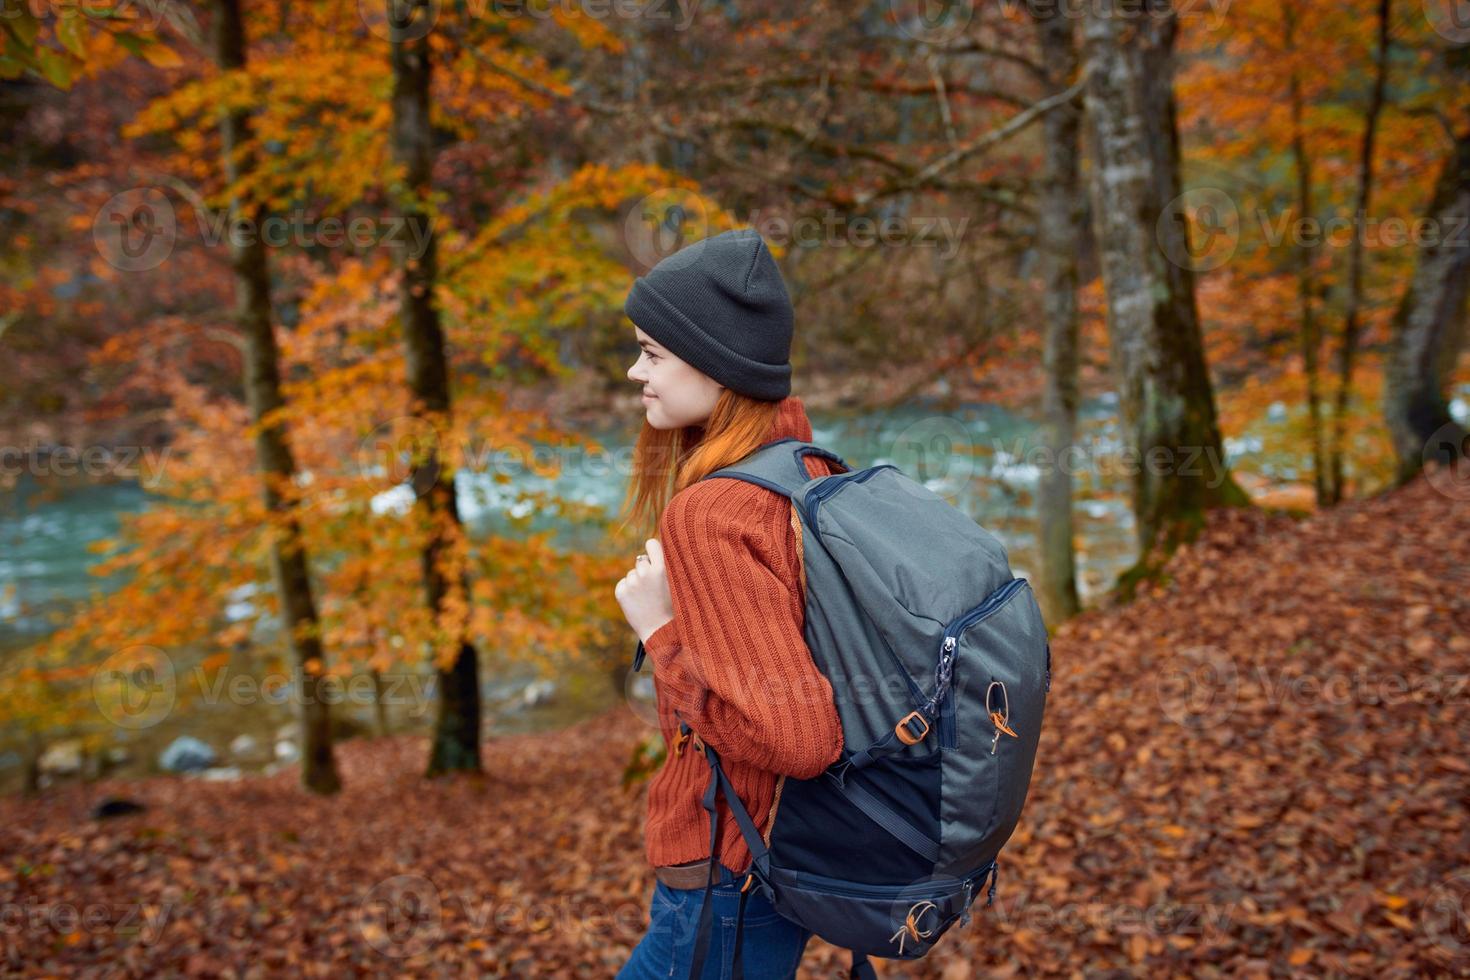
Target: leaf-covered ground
x=1258, y=768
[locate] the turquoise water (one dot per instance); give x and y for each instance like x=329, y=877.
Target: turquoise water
x=43, y=549
x=975, y=455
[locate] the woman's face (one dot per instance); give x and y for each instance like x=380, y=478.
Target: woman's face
x=682, y=394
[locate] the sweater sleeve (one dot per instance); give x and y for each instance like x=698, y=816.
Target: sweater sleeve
x=733, y=661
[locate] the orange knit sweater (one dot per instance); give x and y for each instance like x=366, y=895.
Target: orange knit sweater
x=733, y=662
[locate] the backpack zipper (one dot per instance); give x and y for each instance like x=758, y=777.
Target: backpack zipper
x=857, y=889
x=991, y=603
x=947, y=651
x=830, y=485
x=974, y=879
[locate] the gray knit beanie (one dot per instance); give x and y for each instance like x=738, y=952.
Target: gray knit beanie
x=720, y=304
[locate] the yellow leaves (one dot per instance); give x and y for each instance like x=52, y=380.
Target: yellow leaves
x=160, y=55
x=1391, y=901
x=71, y=32
x=589, y=31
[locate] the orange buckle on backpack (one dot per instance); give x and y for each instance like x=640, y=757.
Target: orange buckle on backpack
x=906, y=734
x=749, y=880
x=684, y=738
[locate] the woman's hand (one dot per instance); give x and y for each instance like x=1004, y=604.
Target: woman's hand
x=644, y=592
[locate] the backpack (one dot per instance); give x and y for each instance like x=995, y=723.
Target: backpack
x=939, y=665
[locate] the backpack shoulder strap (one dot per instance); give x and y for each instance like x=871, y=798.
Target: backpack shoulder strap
x=779, y=465
x=776, y=465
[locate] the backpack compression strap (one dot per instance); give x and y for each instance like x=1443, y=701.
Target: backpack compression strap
x=719, y=783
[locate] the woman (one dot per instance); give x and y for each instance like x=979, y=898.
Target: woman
x=717, y=599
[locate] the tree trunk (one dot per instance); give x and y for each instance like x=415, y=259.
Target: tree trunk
x=1347, y=352
x=1168, y=410
x=1311, y=339
x=273, y=453
x=1059, y=240
x=457, y=727
x=1429, y=328
x=34, y=749
x=380, y=706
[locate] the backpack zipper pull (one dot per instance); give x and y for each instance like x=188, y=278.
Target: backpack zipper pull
x=997, y=718
x=1000, y=725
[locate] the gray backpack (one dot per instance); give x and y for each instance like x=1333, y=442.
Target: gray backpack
x=939, y=665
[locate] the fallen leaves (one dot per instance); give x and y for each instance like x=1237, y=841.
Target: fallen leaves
x=1282, y=806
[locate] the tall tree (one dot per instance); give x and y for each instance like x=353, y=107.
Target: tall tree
x=1429, y=326
x=1167, y=405
x=1347, y=351
x=1060, y=217
x=1311, y=339
x=273, y=453
x=456, y=743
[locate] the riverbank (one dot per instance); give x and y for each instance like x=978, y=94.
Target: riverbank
x=1256, y=767
x=586, y=401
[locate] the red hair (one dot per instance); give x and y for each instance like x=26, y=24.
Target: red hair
x=666, y=461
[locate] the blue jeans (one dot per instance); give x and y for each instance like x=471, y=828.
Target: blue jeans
x=771, y=950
